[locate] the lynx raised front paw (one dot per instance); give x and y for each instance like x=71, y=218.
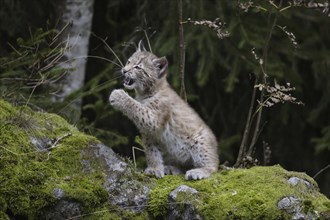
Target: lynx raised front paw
x=116, y=97
x=159, y=173
x=197, y=174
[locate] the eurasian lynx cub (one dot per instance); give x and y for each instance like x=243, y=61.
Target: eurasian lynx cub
x=174, y=137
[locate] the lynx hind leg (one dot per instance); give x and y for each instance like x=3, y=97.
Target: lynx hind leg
x=155, y=171
x=199, y=173
x=169, y=169
x=204, y=167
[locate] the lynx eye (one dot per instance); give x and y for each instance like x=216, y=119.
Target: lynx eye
x=139, y=66
x=128, y=62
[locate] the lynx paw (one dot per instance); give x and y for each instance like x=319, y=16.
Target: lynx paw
x=197, y=174
x=159, y=173
x=172, y=170
x=116, y=97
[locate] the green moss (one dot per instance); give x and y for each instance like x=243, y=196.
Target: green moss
x=6, y=109
x=3, y=216
x=108, y=211
x=3, y=205
x=239, y=193
x=158, y=196
x=29, y=176
x=103, y=213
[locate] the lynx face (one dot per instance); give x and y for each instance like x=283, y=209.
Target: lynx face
x=143, y=71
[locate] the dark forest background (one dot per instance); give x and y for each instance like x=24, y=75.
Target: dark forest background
x=291, y=37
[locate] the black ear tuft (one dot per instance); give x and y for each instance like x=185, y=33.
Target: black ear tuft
x=141, y=46
x=161, y=64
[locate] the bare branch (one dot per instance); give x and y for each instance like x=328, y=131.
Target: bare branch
x=321, y=171
x=264, y=75
x=242, y=148
x=182, y=55
x=111, y=50
x=215, y=25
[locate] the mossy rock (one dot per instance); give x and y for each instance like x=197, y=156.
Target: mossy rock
x=255, y=193
x=50, y=170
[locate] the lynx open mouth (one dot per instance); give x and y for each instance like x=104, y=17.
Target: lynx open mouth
x=128, y=82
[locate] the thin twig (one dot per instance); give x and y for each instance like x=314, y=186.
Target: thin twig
x=34, y=88
x=148, y=41
x=90, y=56
x=15, y=60
x=107, y=46
x=59, y=33
x=86, y=93
x=126, y=207
x=264, y=75
x=321, y=171
x=17, y=154
x=243, y=145
x=58, y=140
x=181, y=52
x=14, y=49
x=20, y=79
x=133, y=152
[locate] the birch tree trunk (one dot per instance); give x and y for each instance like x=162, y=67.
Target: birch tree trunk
x=76, y=23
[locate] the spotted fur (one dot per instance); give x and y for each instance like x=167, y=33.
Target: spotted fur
x=175, y=138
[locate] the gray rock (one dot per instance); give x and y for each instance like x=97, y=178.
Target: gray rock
x=64, y=209
x=295, y=181
x=290, y=204
x=40, y=144
x=124, y=190
x=58, y=193
x=294, y=206
x=183, y=209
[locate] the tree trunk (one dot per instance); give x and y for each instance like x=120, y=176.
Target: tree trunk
x=75, y=24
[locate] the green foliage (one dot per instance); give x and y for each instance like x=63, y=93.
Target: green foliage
x=103, y=116
x=18, y=16
x=29, y=75
x=28, y=72
x=323, y=143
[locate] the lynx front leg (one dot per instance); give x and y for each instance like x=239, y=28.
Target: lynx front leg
x=142, y=115
x=199, y=173
x=155, y=162
x=120, y=100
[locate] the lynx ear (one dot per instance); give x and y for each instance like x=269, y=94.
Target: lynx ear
x=161, y=64
x=141, y=46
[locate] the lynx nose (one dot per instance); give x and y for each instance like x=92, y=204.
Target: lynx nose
x=123, y=71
